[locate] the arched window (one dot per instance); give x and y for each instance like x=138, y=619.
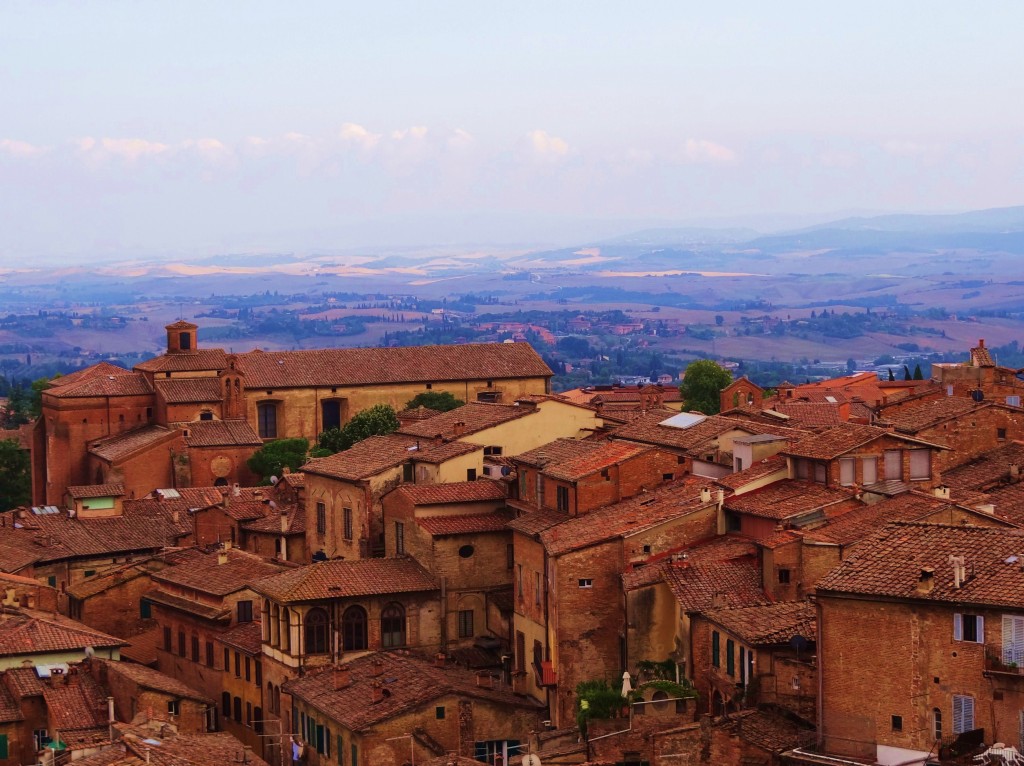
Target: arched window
x=392, y=626
x=286, y=629
x=266, y=416
x=266, y=620
x=270, y=698
x=353, y=629
x=316, y=631
x=185, y=341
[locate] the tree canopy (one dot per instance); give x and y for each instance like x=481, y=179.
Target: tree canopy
x=15, y=475
x=378, y=420
x=442, y=401
x=273, y=456
x=702, y=384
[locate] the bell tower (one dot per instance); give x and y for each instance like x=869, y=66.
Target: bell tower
x=181, y=337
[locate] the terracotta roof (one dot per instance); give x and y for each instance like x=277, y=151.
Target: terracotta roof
x=573, y=459
x=77, y=704
x=142, y=647
x=149, y=678
x=294, y=479
x=410, y=683
x=474, y=417
x=771, y=730
x=535, y=522
x=788, y=498
x=889, y=564
x=10, y=710
x=100, y=369
x=624, y=518
x=437, y=453
x=271, y=523
x=164, y=747
x=188, y=605
x=208, y=575
x=23, y=682
x=768, y=624
x=810, y=414
x=860, y=523
x=1008, y=502
x=115, y=448
x=222, y=433
x=364, y=459
x=925, y=414
x=408, y=415
x=413, y=364
x=699, y=585
x=758, y=470
x=197, y=360
x=986, y=470
x=96, y=490
x=648, y=430
x=346, y=579
x=476, y=523
x=121, y=383
x=980, y=356
x=245, y=636
x=189, y=390
x=477, y=491
x=29, y=632
x=844, y=438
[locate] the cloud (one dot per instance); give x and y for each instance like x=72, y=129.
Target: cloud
x=17, y=148
x=546, y=145
x=131, y=149
x=700, y=150
x=460, y=138
x=351, y=133
x=415, y=132
x=210, y=149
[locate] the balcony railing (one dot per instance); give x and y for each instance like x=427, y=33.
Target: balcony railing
x=995, y=664
x=545, y=672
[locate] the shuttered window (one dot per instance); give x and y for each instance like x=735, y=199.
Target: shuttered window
x=1013, y=640
x=847, y=471
x=869, y=467
x=963, y=713
x=730, y=657
x=716, y=657
x=920, y=464
x=970, y=627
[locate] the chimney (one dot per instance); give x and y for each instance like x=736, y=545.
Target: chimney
x=285, y=470
x=718, y=601
x=942, y=492
x=484, y=679
x=981, y=343
x=459, y=428
x=284, y=522
x=175, y=516
x=377, y=690
x=720, y=497
x=257, y=494
x=705, y=495
x=1014, y=472
x=236, y=489
x=377, y=668
x=926, y=582
x=342, y=677
x=959, y=570
x=222, y=557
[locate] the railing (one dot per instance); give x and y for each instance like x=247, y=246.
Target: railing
x=995, y=664
x=545, y=672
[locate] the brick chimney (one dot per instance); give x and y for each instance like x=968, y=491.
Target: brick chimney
x=377, y=692
x=926, y=581
x=459, y=429
x=377, y=668
x=342, y=677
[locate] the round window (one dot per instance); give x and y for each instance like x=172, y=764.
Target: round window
x=466, y=551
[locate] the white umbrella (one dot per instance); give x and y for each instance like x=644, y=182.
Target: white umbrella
x=627, y=687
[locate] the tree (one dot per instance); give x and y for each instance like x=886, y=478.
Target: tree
x=917, y=372
x=891, y=376
x=15, y=475
x=38, y=386
x=272, y=457
x=702, y=383
x=851, y=366
x=442, y=401
x=378, y=420
x=719, y=320
x=906, y=373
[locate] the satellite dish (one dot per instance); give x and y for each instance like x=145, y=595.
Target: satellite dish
x=531, y=760
x=274, y=480
x=90, y=652
x=505, y=470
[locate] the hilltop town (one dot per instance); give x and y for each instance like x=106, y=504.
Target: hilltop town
x=491, y=571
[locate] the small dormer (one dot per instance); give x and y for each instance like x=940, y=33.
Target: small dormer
x=95, y=500
x=182, y=337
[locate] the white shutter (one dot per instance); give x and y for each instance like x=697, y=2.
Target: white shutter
x=847, y=471
x=1013, y=639
x=920, y=464
x=968, y=713
x=870, y=467
x=963, y=713
x=958, y=628
x=981, y=628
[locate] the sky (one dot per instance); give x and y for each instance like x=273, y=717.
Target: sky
x=194, y=128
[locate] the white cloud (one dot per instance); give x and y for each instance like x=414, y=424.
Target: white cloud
x=132, y=149
x=415, y=132
x=700, y=150
x=546, y=145
x=460, y=138
x=351, y=133
x=20, y=148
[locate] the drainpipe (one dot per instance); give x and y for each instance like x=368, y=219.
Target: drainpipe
x=821, y=676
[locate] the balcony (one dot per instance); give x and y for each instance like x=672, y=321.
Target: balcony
x=994, y=665
x=545, y=672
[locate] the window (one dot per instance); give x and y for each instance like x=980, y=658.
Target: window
x=227, y=660
x=257, y=719
x=492, y=451
x=174, y=707
x=470, y=474
x=321, y=519
x=519, y=581
x=803, y=469
x=520, y=651
x=586, y=582
x=536, y=588
x=258, y=677
x=225, y=703
x=897, y=722
x=1013, y=640
x=820, y=473
x=248, y=714
x=969, y=627
x=439, y=712
x=510, y=556
x=869, y=469
x=399, y=538
x=392, y=626
x=667, y=477
x=181, y=643
x=847, y=471
x=316, y=631
x=1013, y=401
x=330, y=410
x=245, y=611
x=733, y=522
x=206, y=415
x=937, y=723
x=963, y=713
x=466, y=551
x=893, y=465
x=167, y=639
x=195, y=648
x=266, y=417
x=340, y=750
x=346, y=516
x=920, y=464
x=562, y=498
x=145, y=609
x=466, y=623
x=730, y=659
x=248, y=669
x=1000, y=433
x=209, y=654
x=716, y=649
x=353, y=629
x=783, y=577
x=408, y=472
x=184, y=341
x=236, y=708
x=4, y=751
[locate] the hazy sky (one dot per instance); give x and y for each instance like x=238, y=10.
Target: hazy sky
x=177, y=127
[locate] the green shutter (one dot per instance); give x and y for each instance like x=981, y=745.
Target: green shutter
x=730, y=657
x=3, y=747
x=716, y=651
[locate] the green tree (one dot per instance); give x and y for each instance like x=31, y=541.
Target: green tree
x=18, y=407
x=917, y=373
x=15, y=475
x=891, y=376
x=719, y=320
x=442, y=401
x=378, y=420
x=269, y=459
x=851, y=366
x=38, y=386
x=906, y=373
x=702, y=384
